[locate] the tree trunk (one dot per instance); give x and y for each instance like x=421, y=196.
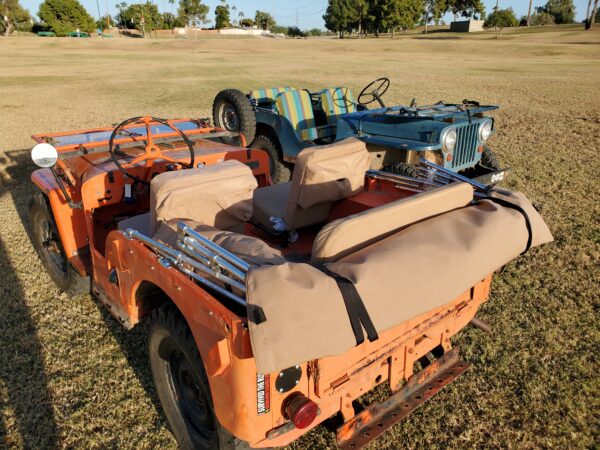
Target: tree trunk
x=529, y=12
x=590, y=21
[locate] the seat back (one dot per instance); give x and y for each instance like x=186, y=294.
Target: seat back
x=322, y=176
x=350, y=234
x=219, y=195
x=266, y=96
x=337, y=101
x=296, y=107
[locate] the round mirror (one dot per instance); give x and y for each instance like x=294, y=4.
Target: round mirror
x=44, y=155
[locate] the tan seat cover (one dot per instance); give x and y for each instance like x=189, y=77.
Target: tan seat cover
x=250, y=249
x=409, y=273
x=322, y=175
x=219, y=195
x=344, y=236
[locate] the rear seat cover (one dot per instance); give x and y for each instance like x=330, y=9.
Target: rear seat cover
x=409, y=273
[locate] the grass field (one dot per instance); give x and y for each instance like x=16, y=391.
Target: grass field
x=71, y=377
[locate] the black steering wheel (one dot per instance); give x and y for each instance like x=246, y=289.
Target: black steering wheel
x=374, y=91
x=151, y=153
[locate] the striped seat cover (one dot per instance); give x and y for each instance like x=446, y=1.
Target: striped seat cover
x=296, y=107
x=268, y=95
x=337, y=101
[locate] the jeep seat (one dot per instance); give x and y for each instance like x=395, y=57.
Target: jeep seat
x=336, y=102
x=296, y=107
x=322, y=176
x=219, y=195
x=265, y=97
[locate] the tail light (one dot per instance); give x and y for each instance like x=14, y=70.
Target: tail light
x=300, y=410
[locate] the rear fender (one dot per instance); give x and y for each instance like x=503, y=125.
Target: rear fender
x=70, y=222
x=281, y=128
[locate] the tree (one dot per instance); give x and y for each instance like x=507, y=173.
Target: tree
x=336, y=17
x=356, y=12
x=502, y=18
x=315, y=32
x=563, y=11
x=141, y=16
x=247, y=22
x=192, y=12
x=400, y=13
x=295, y=32
x=222, y=17
x=104, y=23
x=11, y=15
x=65, y=16
x=465, y=8
x=591, y=15
x=529, y=12
x=264, y=20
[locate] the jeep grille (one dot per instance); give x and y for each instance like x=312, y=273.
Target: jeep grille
x=465, y=153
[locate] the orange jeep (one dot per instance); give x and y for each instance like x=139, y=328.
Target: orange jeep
x=273, y=307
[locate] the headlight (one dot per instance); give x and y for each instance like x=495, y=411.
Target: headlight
x=449, y=140
x=44, y=155
x=485, y=130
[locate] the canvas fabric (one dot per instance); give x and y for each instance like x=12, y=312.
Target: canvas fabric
x=349, y=234
x=296, y=106
x=252, y=250
x=219, y=195
x=407, y=274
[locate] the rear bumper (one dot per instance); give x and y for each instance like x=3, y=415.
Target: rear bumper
x=376, y=419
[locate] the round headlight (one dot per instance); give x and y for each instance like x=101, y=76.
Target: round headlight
x=485, y=130
x=449, y=140
x=44, y=155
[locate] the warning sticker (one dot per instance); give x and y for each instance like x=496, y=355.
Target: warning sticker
x=263, y=390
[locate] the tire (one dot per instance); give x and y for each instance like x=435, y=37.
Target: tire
x=233, y=112
x=46, y=241
x=406, y=169
x=489, y=159
x=182, y=384
x=280, y=172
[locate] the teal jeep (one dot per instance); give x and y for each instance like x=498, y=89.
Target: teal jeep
x=283, y=121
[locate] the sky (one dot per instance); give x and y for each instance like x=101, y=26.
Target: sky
x=309, y=12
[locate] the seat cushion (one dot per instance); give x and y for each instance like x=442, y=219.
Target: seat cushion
x=296, y=106
x=267, y=95
x=345, y=236
x=219, y=195
x=272, y=201
x=252, y=250
x=337, y=101
x=140, y=223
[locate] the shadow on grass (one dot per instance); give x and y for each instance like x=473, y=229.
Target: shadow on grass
x=24, y=391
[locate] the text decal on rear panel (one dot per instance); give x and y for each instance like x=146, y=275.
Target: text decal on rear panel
x=263, y=391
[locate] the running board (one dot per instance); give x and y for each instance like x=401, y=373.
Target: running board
x=376, y=419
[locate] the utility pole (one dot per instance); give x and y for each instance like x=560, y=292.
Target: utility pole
x=296, y=17
x=529, y=13
x=590, y=21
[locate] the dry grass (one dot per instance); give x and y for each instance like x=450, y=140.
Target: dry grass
x=70, y=377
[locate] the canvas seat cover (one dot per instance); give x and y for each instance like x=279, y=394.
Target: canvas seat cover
x=219, y=195
x=252, y=250
x=400, y=277
x=322, y=175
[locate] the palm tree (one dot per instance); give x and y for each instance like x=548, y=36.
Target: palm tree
x=529, y=12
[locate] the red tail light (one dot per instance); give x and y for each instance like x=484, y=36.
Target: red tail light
x=301, y=410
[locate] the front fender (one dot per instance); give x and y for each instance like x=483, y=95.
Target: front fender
x=70, y=222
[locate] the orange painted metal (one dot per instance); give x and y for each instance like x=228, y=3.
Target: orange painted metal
x=221, y=331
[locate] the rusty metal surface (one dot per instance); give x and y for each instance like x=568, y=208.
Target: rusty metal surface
x=375, y=420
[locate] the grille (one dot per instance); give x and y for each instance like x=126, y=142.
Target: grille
x=465, y=153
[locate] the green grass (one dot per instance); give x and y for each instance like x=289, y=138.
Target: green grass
x=71, y=377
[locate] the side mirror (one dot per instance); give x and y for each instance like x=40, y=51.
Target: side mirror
x=44, y=155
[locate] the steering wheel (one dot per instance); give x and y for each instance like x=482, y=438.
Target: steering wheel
x=374, y=91
x=151, y=153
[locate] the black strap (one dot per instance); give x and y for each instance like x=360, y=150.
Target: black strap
x=357, y=312
x=511, y=205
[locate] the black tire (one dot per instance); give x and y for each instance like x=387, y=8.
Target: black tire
x=233, y=112
x=182, y=384
x=280, y=171
x=489, y=159
x=406, y=169
x=46, y=241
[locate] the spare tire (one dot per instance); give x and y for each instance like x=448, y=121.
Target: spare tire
x=232, y=111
